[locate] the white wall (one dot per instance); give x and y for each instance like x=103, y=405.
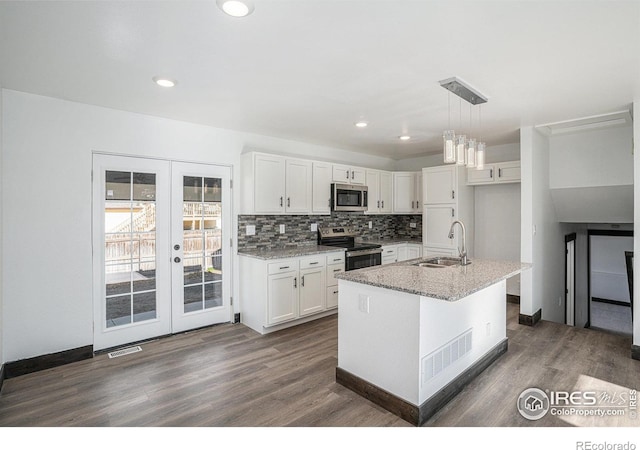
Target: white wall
x=608, y=267
x=497, y=225
x=542, y=237
x=2, y=360
x=48, y=144
x=591, y=158
x=636, y=219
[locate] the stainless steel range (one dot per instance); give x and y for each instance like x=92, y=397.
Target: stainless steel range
x=357, y=255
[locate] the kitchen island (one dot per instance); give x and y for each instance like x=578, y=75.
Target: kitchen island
x=411, y=336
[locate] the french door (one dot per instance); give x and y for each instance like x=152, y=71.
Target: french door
x=161, y=248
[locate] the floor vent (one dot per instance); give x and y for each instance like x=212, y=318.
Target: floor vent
x=440, y=359
x=125, y=351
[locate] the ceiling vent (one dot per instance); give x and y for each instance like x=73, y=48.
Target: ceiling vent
x=611, y=120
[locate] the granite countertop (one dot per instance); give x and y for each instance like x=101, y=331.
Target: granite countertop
x=446, y=283
x=390, y=241
x=288, y=252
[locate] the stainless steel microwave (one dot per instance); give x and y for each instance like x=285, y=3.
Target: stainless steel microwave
x=347, y=197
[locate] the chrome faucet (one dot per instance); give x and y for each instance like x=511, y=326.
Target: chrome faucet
x=463, y=253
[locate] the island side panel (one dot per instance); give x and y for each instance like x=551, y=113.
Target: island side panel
x=444, y=324
x=378, y=337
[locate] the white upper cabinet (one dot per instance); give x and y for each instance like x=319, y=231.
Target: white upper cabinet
x=322, y=176
x=268, y=184
x=407, y=197
x=273, y=184
x=298, y=186
x=348, y=174
x=504, y=172
x=379, y=191
x=440, y=185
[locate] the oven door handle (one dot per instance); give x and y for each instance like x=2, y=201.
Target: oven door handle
x=372, y=251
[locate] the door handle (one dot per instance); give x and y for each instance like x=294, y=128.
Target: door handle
x=176, y=259
x=176, y=247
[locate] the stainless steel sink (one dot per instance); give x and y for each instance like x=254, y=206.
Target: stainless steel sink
x=439, y=262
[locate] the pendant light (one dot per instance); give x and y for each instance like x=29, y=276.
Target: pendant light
x=456, y=147
x=481, y=145
x=449, y=138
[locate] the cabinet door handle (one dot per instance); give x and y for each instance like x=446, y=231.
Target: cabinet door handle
x=288, y=202
x=295, y=282
x=335, y=292
x=302, y=281
x=412, y=207
x=417, y=204
x=347, y=174
x=353, y=175
x=284, y=267
x=490, y=173
x=383, y=203
x=378, y=203
x=280, y=201
x=453, y=212
x=499, y=173
x=453, y=194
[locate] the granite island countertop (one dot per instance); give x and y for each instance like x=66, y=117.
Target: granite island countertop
x=446, y=283
x=288, y=252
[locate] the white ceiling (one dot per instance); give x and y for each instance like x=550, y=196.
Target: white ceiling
x=308, y=69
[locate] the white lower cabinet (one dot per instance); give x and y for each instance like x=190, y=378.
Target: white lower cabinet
x=389, y=254
x=414, y=251
x=286, y=292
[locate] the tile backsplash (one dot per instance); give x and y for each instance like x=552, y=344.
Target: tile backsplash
x=298, y=228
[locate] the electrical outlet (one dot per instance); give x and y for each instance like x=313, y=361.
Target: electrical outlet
x=363, y=303
x=412, y=225
x=370, y=224
x=314, y=227
x=251, y=230
x=281, y=228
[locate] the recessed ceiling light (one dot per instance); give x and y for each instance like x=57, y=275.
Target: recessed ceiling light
x=236, y=8
x=361, y=124
x=165, y=82
x=404, y=137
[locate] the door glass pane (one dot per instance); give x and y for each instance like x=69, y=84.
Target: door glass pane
x=202, y=242
x=130, y=247
x=212, y=295
x=192, y=298
x=144, y=186
x=118, y=310
x=144, y=306
x=118, y=185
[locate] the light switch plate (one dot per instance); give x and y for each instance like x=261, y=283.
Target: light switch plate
x=412, y=224
x=251, y=230
x=370, y=224
x=281, y=228
x=314, y=227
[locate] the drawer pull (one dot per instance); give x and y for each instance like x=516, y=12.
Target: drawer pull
x=312, y=263
x=335, y=292
x=339, y=259
x=337, y=270
x=284, y=267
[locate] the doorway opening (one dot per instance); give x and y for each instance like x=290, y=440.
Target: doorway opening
x=609, y=297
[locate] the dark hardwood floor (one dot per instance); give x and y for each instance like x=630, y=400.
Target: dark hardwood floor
x=229, y=375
